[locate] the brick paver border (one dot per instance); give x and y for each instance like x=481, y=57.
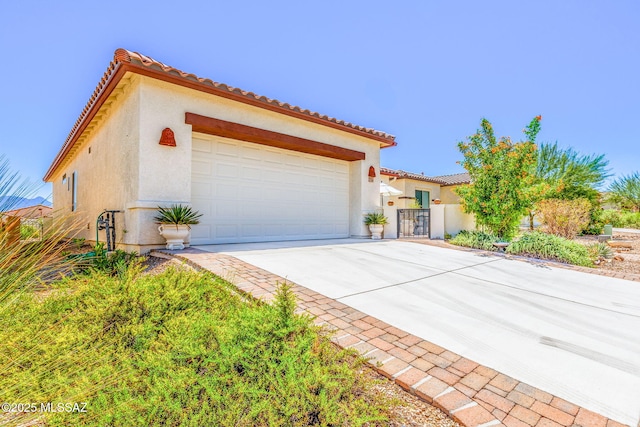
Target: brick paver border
x=471, y=394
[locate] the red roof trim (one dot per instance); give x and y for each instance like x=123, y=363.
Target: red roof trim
x=125, y=60
x=102, y=92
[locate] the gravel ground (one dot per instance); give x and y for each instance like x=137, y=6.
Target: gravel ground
x=626, y=260
x=155, y=265
x=413, y=412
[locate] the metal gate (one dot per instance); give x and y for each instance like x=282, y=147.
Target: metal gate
x=414, y=223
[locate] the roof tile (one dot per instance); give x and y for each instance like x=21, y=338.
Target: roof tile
x=453, y=179
x=122, y=56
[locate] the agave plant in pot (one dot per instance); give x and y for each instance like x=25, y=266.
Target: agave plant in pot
x=376, y=222
x=175, y=224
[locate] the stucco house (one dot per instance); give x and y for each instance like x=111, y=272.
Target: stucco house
x=256, y=168
x=435, y=193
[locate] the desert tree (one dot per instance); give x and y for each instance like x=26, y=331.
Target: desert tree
x=501, y=174
x=625, y=191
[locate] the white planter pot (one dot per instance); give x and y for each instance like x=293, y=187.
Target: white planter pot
x=175, y=235
x=376, y=231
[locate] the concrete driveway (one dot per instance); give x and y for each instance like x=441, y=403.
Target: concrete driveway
x=572, y=334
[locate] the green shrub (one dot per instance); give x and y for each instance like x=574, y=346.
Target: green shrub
x=177, y=215
x=114, y=263
x=630, y=220
x=178, y=349
x=375, y=218
x=611, y=216
x=564, y=218
x=621, y=219
x=596, y=221
x=475, y=239
x=599, y=251
x=548, y=246
x=29, y=231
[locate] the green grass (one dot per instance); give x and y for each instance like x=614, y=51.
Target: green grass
x=178, y=349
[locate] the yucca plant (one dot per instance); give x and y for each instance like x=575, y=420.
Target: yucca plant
x=375, y=218
x=26, y=263
x=28, y=269
x=600, y=251
x=178, y=215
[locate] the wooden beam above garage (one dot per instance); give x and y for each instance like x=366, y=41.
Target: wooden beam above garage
x=212, y=126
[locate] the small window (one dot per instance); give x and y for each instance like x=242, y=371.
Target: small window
x=74, y=191
x=423, y=199
x=64, y=179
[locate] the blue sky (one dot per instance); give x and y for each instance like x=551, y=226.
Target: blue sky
x=425, y=71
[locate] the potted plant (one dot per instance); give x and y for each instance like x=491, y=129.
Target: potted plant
x=175, y=224
x=376, y=222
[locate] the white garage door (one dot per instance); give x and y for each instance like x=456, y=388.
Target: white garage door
x=253, y=193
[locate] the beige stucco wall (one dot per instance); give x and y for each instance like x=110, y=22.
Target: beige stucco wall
x=446, y=218
x=107, y=176
x=455, y=219
x=448, y=195
x=404, y=201
x=165, y=105
x=127, y=168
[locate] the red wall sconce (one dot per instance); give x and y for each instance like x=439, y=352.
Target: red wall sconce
x=167, y=138
x=372, y=173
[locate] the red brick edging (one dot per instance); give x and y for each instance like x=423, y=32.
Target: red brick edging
x=472, y=394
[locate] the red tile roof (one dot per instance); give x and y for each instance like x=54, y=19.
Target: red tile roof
x=128, y=61
x=453, y=179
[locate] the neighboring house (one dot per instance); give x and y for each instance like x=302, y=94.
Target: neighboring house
x=30, y=212
x=34, y=216
x=256, y=168
x=427, y=192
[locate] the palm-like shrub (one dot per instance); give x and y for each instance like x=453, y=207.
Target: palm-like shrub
x=178, y=215
x=26, y=263
x=373, y=218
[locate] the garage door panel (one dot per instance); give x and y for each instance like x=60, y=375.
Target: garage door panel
x=250, y=193
x=202, y=189
x=225, y=170
x=251, y=153
x=201, y=167
x=200, y=231
x=225, y=231
x=273, y=230
x=225, y=149
x=201, y=146
x=251, y=230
